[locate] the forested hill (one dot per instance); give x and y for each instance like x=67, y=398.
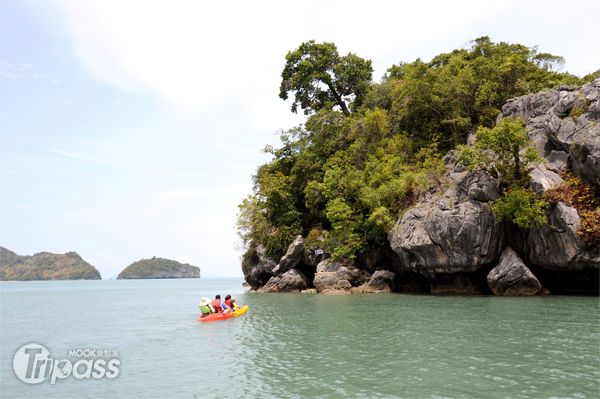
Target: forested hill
x=45, y=266
x=369, y=151
x=159, y=268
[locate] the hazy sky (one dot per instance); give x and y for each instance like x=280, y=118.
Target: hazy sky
x=131, y=129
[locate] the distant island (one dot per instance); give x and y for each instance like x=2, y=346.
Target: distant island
x=45, y=266
x=159, y=268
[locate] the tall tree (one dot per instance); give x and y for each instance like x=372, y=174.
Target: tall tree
x=322, y=79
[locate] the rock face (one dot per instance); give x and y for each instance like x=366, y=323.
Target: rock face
x=455, y=232
x=512, y=277
x=564, y=125
x=45, y=266
x=543, y=179
x=291, y=281
x=336, y=277
x=257, y=274
x=292, y=257
x=557, y=245
x=381, y=281
x=159, y=268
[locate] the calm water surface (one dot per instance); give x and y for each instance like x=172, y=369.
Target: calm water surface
x=297, y=345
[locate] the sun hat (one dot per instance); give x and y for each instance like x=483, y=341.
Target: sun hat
x=204, y=301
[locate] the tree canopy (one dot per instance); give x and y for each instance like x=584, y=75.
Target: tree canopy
x=322, y=79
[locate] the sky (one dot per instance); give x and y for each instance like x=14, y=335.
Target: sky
x=131, y=129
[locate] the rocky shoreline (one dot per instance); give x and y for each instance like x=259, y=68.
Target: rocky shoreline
x=449, y=242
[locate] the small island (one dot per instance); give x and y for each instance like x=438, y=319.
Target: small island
x=159, y=268
x=45, y=266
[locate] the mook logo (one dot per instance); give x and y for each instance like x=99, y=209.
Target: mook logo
x=33, y=364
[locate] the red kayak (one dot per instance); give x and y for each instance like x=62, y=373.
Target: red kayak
x=224, y=316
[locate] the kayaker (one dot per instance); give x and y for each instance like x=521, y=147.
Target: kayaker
x=228, y=301
x=234, y=304
x=219, y=305
x=205, y=307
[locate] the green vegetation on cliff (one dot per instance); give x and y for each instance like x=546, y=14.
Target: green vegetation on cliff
x=45, y=266
x=368, y=150
x=159, y=268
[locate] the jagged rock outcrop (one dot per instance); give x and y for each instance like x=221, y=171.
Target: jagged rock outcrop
x=45, y=266
x=512, y=277
x=564, y=125
x=292, y=257
x=261, y=270
x=478, y=186
x=381, y=281
x=159, y=268
x=291, y=281
x=557, y=245
x=451, y=233
x=334, y=277
x=312, y=256
x=543, y=179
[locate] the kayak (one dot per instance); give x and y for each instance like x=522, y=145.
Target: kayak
x=224, y=316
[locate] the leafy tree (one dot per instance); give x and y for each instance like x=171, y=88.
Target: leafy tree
x=322, y=79
x=444, y=99
x=504, y=151
x=522, y=207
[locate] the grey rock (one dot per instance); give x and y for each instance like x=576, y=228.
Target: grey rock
x=531, y=105
x=557, y=160
x=292, y=257
x=381, y=281
x=565, y=120
x=479, y=186
x=291, y=281
x=334, y=277
x=260, y=273
x=512, y=277
x=437, y=237
x=557, y=245
x=312, y=256
x=567, y=100
x=543, y=179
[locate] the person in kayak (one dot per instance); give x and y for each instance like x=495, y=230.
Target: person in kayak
x=234, y=304
x=219, y=305
x=228, y=301
x=205, y=307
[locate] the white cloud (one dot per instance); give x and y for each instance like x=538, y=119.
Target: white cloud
x=194, y=53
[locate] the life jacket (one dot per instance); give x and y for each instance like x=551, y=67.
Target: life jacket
x=205, y=309
x=216, y=304
x=228, y=302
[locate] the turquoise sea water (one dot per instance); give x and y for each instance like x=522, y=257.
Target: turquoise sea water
x=298, y=345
